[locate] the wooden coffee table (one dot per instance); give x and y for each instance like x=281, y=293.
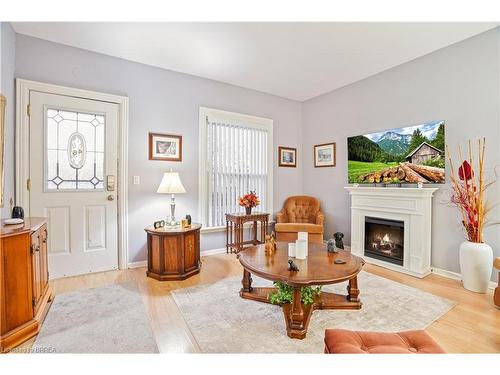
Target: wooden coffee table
x=317, y=269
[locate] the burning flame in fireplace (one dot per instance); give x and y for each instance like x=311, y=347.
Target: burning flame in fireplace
x=385, y=240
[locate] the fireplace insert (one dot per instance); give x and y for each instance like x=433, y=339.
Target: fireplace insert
x=384, y=239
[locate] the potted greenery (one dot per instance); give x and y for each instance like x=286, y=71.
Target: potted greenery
x=476, y=257
x=284, y=294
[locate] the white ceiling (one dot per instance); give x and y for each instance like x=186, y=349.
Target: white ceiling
x=293, y=60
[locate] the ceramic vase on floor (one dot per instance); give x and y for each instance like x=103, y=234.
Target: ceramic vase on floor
x=476, y=260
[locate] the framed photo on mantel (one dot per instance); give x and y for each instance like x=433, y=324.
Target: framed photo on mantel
x=324, y=155
x=166, y=147
x=287, y=157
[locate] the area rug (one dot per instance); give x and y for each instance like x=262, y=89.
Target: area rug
x=222, y=322
x=111, y=319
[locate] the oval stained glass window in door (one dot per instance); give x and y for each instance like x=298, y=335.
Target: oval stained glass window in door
x=77, y=150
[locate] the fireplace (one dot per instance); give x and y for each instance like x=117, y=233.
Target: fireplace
x=384, y=239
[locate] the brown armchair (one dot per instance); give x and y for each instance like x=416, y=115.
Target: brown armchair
x=300, y=214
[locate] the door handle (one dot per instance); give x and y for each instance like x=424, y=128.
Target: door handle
x=111, y=197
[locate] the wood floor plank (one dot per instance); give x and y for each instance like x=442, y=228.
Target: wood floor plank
x=472, y=326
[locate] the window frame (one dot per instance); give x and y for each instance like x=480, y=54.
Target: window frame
x=250, y=121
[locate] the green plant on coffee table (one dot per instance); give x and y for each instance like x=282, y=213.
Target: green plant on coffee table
x=284, y=294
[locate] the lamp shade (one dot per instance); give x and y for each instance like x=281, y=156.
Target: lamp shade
x=171, y=184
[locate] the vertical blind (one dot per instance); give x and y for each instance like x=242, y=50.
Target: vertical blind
x=237, y=156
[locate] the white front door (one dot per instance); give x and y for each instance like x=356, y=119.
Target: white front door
x=73, y=175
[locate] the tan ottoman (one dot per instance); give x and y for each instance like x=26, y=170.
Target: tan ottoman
x=341, y=341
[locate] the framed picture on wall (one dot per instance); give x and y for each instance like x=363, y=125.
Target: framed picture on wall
x=324, y=155
x=166, y=147
x=287, y=157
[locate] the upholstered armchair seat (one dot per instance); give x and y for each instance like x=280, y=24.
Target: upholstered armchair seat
x=300, y=214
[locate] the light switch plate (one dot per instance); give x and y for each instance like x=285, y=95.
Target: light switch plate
x=137, y=180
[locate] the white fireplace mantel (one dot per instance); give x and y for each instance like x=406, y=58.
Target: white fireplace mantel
x=413, y=206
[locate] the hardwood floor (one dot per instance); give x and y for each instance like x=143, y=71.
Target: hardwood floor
x=472, y=326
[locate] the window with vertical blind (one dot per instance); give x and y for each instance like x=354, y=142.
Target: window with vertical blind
x=235, y=158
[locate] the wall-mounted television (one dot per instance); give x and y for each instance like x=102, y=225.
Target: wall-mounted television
x=411, y=155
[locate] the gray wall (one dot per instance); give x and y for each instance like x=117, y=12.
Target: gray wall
x=8, y=38
x=162, y=101
x=458, y=84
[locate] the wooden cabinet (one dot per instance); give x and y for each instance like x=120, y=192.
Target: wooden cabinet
x=24, y=281
x=173, y=254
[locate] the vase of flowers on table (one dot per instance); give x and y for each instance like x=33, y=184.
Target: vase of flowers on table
x=476, y=257
x=249, y=201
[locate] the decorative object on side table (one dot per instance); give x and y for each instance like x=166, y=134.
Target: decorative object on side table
x=249, y=201
x=476, y=257
x=324, y=155
x=159, y=224
x=287, y=157
x=339, y=243
x=188, y=218
x=167, y=147
x=17, y=212
x=171, y=184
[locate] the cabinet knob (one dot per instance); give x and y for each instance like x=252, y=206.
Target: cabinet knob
x=111, y=197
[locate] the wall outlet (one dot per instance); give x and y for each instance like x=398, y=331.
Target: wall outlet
x=137, y=180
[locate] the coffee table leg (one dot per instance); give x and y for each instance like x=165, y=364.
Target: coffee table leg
x=353, y=290
x=297, y=313
x=246, y=281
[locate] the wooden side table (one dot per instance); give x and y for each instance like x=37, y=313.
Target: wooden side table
x=234, y=230
x=173, y=253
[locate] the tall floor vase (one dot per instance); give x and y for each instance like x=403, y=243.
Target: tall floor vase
x=476, y=263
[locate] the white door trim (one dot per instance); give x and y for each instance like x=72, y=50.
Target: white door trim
x=23, y=88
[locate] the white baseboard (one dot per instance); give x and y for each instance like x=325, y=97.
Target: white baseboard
x=205, y=253
x=456, y=276
x=141, y=263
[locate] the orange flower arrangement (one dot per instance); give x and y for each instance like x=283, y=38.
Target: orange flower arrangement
x=468, y=193
x=249, y=200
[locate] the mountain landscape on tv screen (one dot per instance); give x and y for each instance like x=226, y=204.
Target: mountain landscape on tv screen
x=404, y=155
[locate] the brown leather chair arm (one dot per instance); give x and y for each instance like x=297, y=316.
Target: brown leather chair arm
x=320, y=218
x=496, y=263
x=281, y=217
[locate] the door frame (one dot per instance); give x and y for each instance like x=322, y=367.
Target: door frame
x=23, y=89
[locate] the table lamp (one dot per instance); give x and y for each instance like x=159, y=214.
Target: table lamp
x=171, y=184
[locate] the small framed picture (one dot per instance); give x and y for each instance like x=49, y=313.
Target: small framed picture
x=324, y=155
x=287, y=157
x=166, y=147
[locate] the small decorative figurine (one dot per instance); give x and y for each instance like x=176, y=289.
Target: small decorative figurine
x=188, y=218
x=270, y=245
x=338, y=240
x=292, y=266
x=331, y=246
